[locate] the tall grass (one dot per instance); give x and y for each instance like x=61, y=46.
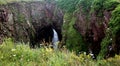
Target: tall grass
x=19, y=54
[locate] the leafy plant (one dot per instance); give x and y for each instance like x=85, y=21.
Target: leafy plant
x=114, y=30
x=74, y=40
x=68, y=5
x=19, y=54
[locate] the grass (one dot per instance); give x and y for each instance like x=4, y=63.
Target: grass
x=19, y=54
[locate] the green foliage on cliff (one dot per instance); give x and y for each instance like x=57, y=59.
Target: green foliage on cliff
x=72, y=5
x=85, y=5
x=115, y=20
x=10, y=1
x=92, y=6
x=68, y=5
x=99, y=6
x=105, y=43
x=114, y=30
x=110, y=4
x=73, y=40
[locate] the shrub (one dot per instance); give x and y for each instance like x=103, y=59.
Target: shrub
x=19, y=54
x=74, y=40
x=114, y=30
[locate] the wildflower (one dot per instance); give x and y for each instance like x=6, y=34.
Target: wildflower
x=111, y=39
x=13, y=50
x=48, y=49
x=28, y=60
x=84, y=53
x=14, y=55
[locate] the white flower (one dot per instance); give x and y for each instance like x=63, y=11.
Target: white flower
x=13, y=50
x=14, y=55
x=111, y=39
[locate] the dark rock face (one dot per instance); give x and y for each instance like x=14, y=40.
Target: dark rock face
x=26, y=20
x=92, y=29
x=44, y=35
x=3, y=15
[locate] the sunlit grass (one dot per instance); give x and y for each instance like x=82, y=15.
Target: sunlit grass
x=19, y=54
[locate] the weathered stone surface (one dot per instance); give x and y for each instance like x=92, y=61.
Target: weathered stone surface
x=23, y=19
x=92, y=28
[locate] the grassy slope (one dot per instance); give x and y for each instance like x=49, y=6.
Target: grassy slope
x=19, y=54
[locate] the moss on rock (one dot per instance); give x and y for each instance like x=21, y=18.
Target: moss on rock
x=74, y=41
x=112, y=34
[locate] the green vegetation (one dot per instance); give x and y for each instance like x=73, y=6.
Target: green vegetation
x=104, y=44
x=72, y=5
x=100, y=5
x=113, y=30
x=9, y=1
x=73, y=40
x=68, y=6
x=85, y=5
x=115, y=20
x=19, y=54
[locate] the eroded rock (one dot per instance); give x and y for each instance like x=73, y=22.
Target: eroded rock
x=22, y=20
